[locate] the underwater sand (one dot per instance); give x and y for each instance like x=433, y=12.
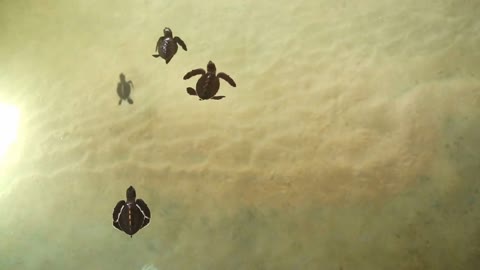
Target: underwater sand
x=349, y=143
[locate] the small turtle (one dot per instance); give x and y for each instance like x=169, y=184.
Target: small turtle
x=132, y=215
x=167, y=45
x=123, y=89
x=208, y=85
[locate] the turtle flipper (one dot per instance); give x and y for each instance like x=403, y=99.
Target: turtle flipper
x=116, y=214
x=217, y=97
x=120, y=102
x=191, y=91
x=198, y=71
x=116, y=225
x=145, y=210
x=130, y=101
x=227, y=78
x=180, y=42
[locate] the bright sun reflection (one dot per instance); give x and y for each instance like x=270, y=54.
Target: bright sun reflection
x=9, y=118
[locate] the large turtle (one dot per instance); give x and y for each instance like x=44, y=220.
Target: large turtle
x=208, y=85
x=124, y=90
x=132, y=215
x=167, y=45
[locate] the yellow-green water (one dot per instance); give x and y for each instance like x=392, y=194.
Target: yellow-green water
x=349, y=142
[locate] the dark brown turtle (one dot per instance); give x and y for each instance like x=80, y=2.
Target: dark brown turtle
x=167, y=45
x=208, y=85
x=124, y=90
x=132, y=215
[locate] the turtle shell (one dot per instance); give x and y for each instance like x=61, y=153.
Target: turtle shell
x=168, y=48
x=123, y=90
x=207, y=86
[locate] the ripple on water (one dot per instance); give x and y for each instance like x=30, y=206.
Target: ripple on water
x=149, y=267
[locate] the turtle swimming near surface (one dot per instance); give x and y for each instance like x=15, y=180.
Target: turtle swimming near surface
x=124, y=90
x=167, y=45
x=132, y=215
x=208, y=85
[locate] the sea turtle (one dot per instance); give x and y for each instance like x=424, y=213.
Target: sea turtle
x=208, y=85
x=132, y=215
x=123, y=89
x=167, y=45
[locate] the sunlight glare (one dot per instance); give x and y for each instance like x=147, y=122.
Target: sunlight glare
x=9, y=118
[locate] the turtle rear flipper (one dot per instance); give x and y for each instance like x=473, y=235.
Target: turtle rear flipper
x=227, y=78
x=191, y=91
x=217, y=97
x=130, y=101
x=115, y=224
x=180, y=42
x=120, y=102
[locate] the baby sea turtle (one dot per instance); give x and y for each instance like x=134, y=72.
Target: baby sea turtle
x=167, y=45
x=123, y=89
x=132, y=215
x=208, y=85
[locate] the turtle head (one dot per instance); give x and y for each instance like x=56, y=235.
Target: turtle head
x=167, y=32
x=131, y=194
x=122, y=77
x=211, y=67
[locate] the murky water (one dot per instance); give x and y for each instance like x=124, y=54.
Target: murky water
x=348, y=143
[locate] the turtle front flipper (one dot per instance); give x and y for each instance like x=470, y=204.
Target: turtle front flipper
x=227, y=78
x=198, y=71
x=130, y=101
x=180, y=42
x=116, y=214
x=191, y=91
x=145, y=210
